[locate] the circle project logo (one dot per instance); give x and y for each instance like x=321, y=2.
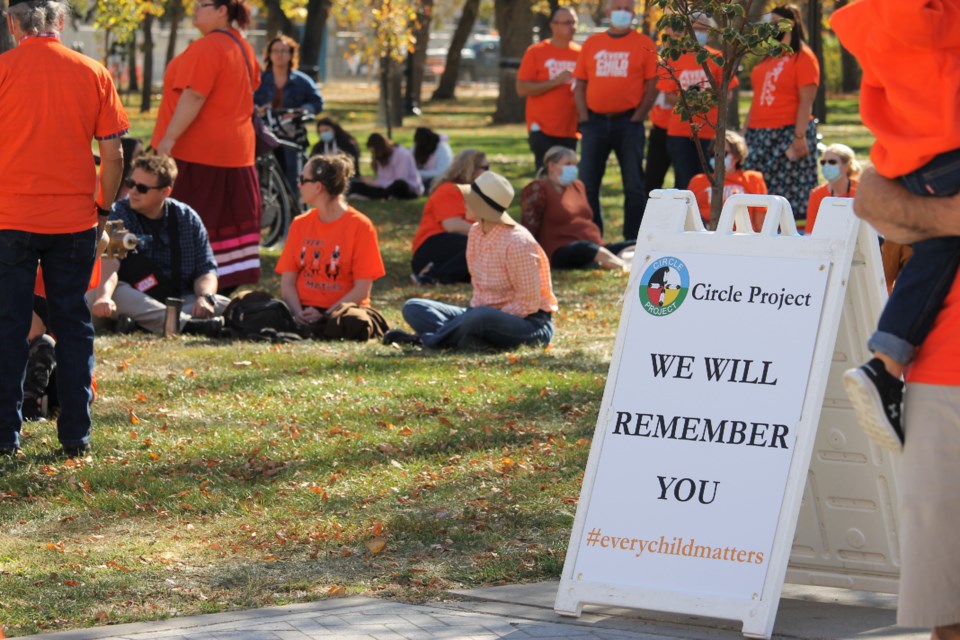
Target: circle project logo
x=664, y=286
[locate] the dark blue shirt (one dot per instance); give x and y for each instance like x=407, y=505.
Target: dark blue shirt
x=300, y=92
x=196, y=256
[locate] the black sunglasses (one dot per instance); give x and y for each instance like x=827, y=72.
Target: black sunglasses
x=140, y=188
x=830, y=161
x=485, y=167
x=301, y=180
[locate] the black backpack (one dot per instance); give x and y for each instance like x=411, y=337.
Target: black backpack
x=256, y=315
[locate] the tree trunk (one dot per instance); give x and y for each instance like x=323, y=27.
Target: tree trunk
x=446, y=90
x=147, y=90
x=277, y=20
x=515, y=23
x=314, y=30
x=133, y=85
x=176, y=15
x=417, y=59
x=390, y=110
x=849, y=67
x=815, y=34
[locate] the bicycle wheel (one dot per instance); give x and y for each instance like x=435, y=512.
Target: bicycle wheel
x=277, y=202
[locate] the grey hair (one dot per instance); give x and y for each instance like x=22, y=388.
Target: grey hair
x=555, y=154
x=40, y=16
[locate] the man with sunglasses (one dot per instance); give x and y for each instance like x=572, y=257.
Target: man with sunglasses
x=173, y=259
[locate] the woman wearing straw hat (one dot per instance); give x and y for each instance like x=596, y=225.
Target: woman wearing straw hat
x=513, y=299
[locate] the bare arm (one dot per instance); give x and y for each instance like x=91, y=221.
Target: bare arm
x=360, y=291
x=183, y=116
x=902, y=216
x=456, y=225
x=804, y=110
x=580, y=99
x=649, y=97
x=111, y=173
x=206, y=284
x=288, y=291
x=527, y=88
x=103, y=304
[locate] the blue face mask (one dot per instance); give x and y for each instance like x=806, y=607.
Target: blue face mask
x=620, y=19
x=568, y=174
x=701, y=37
x=326, y=136
x=830, y=171
x=727, y=163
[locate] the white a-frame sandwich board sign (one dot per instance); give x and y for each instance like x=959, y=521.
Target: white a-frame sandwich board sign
x=707, y=425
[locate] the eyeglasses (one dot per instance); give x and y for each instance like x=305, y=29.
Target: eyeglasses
x=302, y=181
x=203, y=5
x=285, y=51
x=830, y=161
x=139, y=187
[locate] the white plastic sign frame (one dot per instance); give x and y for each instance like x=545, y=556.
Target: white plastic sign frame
x=672, y=227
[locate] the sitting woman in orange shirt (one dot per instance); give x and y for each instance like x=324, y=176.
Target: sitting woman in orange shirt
x=331, y=257
x=554, y=208
x=440, y=244
x=841, y=170
x=735, y=180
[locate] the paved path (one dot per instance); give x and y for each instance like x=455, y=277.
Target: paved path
x=515, y=612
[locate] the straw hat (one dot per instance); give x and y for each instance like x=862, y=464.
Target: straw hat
x=488, y=197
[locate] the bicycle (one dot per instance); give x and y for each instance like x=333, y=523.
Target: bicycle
x=280, y=201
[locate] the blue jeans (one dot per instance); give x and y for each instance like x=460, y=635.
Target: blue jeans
x=683, y=155
x=926, y=279
x=448, y=326
x=601, y=135
x=67, y=260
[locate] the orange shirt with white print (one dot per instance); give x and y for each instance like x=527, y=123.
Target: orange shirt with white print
x=616, y=70
x=553, y=112
x=660, y=112
x=776, y=88
x=910, y=54
x=215, y=67
x=690, y=74
x=816, y=197
x=733, y=182
x=53, y=103
x=509, y=271
x=444, y=203
x=328, y=257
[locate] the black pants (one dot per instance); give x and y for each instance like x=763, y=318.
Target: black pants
x=685, y=159
x=583, y=253
x=447, y=253
x=540, y=143
x=398, y=190
x=658, y=160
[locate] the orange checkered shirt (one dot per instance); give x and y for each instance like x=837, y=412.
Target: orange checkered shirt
x=509, y=271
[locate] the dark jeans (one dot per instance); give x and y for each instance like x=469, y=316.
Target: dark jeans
x=601, y=135
x=398, y=189
x=447, y=252
x=583, y=253
x=658, y=161
x=448, y=326
x=925, y=280
x=540, y=143
x=67, y=260
x=686, y=162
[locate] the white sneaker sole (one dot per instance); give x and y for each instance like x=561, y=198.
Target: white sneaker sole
x=869, y=410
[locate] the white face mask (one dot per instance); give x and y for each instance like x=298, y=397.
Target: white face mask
x=620, y=19
x=701, y=37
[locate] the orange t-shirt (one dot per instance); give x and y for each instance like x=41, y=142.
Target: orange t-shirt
x=53, y=102
x=329, y=257
x=910, y=54
x=816, y=197
x=221, y=135
x=616, y=70
x=776, y=88
x=660, y=112
x=938, y=359
x=691, y=74
x=40, y=289
x=554, y=111
x=733, y=182
x=444, y=203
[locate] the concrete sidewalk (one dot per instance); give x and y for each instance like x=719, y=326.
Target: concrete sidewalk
x=516, y=612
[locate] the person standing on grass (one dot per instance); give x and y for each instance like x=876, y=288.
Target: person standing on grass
x=512, y=302
x=53, y=102
x=615, y=89
x=545, y=79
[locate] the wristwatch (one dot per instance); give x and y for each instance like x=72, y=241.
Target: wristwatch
x=212, y=299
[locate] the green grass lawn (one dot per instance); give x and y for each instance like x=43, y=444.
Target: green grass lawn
x=236, y=475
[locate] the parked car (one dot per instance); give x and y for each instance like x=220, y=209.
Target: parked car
x=479, y=60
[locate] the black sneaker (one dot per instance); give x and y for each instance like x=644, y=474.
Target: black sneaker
x=74, y=450
x=877, y=399
x=208, y=327
x=396, y=336
x=124, y=324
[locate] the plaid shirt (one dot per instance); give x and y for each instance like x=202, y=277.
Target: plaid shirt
x=196, y=256
x=509, y=271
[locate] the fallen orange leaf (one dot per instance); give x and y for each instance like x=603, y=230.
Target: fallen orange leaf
x=376, y=544
x=337, y=590
x=133, y=418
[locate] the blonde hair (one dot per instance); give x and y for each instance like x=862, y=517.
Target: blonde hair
x=739, y=146
x=462, y=169
x=849, y=156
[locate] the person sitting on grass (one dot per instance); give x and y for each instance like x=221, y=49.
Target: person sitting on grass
x=432, y=153
x=440, y=244
x=736, y=179
x=555, y=209
x=334, y=139
x=513, y=301
x=331, y=258
x=396, y=172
